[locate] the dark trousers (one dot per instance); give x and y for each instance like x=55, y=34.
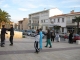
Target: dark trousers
x=36, y=46
x=11, y=39
x=2, y=39
x=70, y=40
x=52, y=38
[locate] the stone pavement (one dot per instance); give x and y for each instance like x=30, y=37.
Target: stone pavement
x=23, y=49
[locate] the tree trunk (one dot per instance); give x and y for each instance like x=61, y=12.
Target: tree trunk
x=77, y=27
x=0, y=25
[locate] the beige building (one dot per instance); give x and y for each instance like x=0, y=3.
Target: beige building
x=7, y=25
x=23, y=24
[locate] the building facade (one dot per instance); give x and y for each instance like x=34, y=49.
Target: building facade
x=23, y=24
x=41, y=19
x=66, y=21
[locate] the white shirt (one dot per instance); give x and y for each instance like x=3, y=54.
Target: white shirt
x=37, y=38
x=57, y=35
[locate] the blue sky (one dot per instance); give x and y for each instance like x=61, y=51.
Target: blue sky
x=19, y=9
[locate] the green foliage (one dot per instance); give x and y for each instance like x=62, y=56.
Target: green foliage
x=4, y=16
x=77, y=19
x=57, y=27
x=23, y=36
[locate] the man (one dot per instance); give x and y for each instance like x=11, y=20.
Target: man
x=11, y=34
x=40, y=38
x=52, y=36
x=70, y=37
x=3, y=31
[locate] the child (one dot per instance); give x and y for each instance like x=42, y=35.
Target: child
x=57, y=37
x=36, y=43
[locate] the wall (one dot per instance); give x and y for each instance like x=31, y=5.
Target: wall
x=17, y=34
x=54, y=11
x=25, y=24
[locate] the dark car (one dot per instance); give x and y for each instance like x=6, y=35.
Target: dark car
x=44, y=32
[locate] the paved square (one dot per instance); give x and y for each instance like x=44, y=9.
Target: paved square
x=23, y=49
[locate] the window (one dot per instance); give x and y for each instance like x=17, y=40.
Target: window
x=46, y=27
x=38, y=21
x=62, y=29
x=44, y=21
x=62, y=19
x=41, y=21
x=29, y=21
x=58, y=19
x=33, y=21
x=54, y=20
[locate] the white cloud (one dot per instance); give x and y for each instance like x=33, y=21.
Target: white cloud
x=6, y=6
x=69, y=1
x=2, y=1
x=74, y=6
x=31, y=6
x=27, y=3
x=23, y=9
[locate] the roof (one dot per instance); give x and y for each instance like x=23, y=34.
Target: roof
x=20, y=20
x=42, y=11
x=69, y=14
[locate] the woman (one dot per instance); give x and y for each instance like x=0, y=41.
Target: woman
x=48, y=39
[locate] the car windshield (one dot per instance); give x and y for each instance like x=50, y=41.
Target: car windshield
x=76, y=35
x=28, y=31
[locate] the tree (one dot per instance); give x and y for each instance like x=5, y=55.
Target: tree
x=4, y=17
x=57, y=28
x=77, y=19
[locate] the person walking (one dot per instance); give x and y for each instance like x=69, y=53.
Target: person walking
x=52, y=36
x=70, y=38
x=48, y=39
x=3, y=32
x=11, y=29
x=36, y=43
x=40, y=32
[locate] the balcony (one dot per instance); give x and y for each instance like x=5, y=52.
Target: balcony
x=35, y=24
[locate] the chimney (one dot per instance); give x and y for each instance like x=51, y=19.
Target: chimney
x=72, y=12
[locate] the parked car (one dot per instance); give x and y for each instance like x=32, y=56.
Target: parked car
x=44, y=32
x=76, y=37
x=29, y=33
x=62, y=35
x=33, y=34
x=66, y=36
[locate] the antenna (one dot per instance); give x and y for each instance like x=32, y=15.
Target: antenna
x=74, y=8
x=44, y=8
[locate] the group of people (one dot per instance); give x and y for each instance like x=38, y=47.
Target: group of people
x=49, y=37
x=38, y=38
x=3, y=32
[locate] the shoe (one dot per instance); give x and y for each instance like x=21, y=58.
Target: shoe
x=2, y=45
x=50, y=47
x=45, y=46
x=36, y=52
x=11, y=44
